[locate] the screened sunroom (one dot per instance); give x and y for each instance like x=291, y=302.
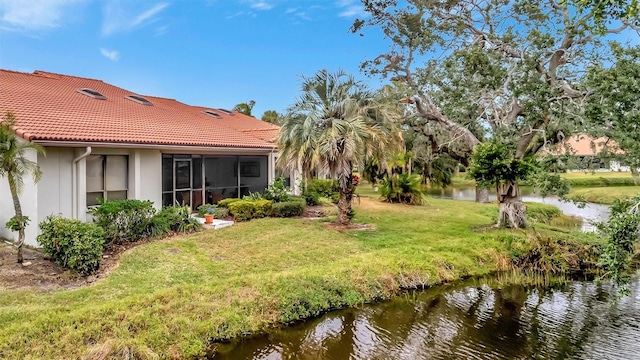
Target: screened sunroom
x=194, y=180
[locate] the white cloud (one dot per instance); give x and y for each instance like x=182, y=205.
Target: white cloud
x=34, y=15
x=353, y=11
x=350, y=9
x=239, y=13
x=261, y=5
x=110, y=54
x=117, y=19
x=303, y=15
x=161, y=30
x=291, y=10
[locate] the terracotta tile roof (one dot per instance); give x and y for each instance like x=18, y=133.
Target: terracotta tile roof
x=48, y=107
x=583, y=145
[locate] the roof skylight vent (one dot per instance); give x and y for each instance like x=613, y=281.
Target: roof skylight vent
x=227, y=111
x=212, y=113
x=139, y=99
x=92, y=93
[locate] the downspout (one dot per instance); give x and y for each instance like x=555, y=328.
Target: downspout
x=74, y=183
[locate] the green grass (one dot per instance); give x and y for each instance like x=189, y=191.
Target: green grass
x=577, y=179
x=603, y=195
x=597, y=179
x=171, y=298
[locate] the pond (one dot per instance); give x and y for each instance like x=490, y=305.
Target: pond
x=590, y=213
x=492, y=318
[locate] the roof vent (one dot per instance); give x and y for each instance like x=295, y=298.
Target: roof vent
x=92, y=93
x=227, y=111
x=139, y=100
x=212, y=113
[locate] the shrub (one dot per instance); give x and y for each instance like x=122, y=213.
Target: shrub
x=172, y=219
x=287, y=209
x=226, y=202
x=403, y=188
x=311, y=198
x=263, y=208
x=220, y=213
x=242, y=210
x=124, y=220
x=316, y=188
x=72, y=243
x=253, y=196
x=277, y=191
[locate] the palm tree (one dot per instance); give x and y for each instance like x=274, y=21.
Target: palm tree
x=15, y=166
x=334, y=126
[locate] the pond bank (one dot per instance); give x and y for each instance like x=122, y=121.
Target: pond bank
x=501, y=316
x=171, y=298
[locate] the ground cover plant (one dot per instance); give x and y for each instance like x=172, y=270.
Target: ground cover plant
x=170, y=298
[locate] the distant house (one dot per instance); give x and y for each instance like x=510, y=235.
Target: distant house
x=587, y=153
x=105, y=142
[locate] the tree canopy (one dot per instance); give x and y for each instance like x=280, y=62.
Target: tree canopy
x=488, y=70
x=245, y=108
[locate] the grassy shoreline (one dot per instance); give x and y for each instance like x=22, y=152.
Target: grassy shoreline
x=172, y=298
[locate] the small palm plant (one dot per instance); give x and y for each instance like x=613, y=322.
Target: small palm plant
x=15, y=166
x=335, y=126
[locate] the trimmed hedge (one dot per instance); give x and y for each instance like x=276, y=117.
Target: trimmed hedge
x=242, y=210
x=263, y=208
x=287, y=209
x=72, y=243
x=226, y=202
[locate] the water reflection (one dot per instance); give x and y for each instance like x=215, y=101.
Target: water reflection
x=486, y=320
x=591, y=213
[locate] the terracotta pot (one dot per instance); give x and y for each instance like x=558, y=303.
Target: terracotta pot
x=208, y=218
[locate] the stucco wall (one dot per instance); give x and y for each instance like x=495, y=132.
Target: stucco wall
x=54, y=197
x=150, y=176
x=28, y=202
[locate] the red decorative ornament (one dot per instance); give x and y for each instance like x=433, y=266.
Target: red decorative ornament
x=355, y=179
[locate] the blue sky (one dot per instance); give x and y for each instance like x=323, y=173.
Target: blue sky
x=202, y=52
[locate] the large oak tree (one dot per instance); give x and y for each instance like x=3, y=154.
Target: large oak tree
x=504, y=72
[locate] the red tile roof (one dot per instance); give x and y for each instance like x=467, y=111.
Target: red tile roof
x=48, y=107
x=583, y=145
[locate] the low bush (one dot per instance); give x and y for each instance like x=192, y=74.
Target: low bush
x=316, y=188
x=403, y=188
x=72, y=243
x=172, y=219
x=226, y=202
x=124, y=220
x=220, y=213
x=242, y=210
x=263, y=208
x=277, y=191
x=287, y=209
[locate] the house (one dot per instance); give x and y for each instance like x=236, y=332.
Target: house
x=105, y=142
x=587, y=153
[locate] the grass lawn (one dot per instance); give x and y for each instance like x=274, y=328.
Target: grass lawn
x=591, y=179
x=603, y=195
x=171, y=297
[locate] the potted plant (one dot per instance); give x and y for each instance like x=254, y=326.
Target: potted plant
x=207, y=212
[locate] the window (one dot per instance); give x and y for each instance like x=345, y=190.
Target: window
x=92, y=93
x=106, y=178
x=139, y=100
x=212, y=113
x=227, y=112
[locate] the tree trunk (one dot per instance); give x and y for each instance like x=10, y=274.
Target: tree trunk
x=482, y=194
x=512, y=211
x=344, y=203
x=19, y=217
